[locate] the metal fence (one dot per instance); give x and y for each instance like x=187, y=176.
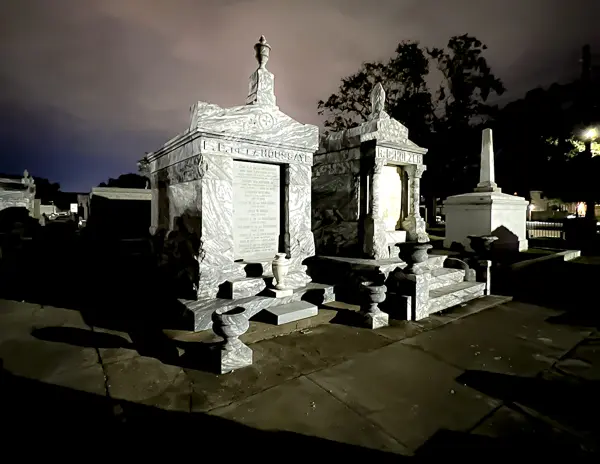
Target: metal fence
x=545, y=229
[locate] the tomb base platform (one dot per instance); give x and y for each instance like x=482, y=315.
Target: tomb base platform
x=202, y=310
x=336, y=270
x=441, y=282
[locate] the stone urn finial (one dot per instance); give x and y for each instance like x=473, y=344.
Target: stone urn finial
x=378, y=102
x=263, y=49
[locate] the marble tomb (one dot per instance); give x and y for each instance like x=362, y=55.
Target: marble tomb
x=18, y=192
x=366, y=188
x=368, y=228
x=234, y=190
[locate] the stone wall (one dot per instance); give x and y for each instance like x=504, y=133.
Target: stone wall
x=336, y=202
x=16, y=199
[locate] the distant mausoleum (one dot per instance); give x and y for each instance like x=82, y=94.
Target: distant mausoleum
x=18, y=192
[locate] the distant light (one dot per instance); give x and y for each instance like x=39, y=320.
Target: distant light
x=591, y=133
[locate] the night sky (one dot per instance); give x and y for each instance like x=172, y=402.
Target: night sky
x=88, y=86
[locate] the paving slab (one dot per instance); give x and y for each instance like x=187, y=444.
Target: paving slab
x=50, y=316
x=507, y=339
x=115, y=345
x=506, y=434
x=16, y=319
x=583, y=361
x=148, y=381
x=523, y=431
x=302, y=407
x=407, y=392
x=280, y=359
x=40, y=359
x=563, y=401
x=89, y=379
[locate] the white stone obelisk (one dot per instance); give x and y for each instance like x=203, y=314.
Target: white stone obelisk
x=486, y=170
x=487, y=211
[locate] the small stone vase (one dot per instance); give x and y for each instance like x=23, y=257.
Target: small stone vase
x=281, y=267
x=482, y=244
x=415, y=253
x=230, y=324
x=419, y=252
x=373, y=294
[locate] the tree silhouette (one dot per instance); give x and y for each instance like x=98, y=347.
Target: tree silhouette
x=45, y=190
x=130, y=180
x=440, y=120
x=539, y=142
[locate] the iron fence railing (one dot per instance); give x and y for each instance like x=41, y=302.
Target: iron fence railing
x=545, y=229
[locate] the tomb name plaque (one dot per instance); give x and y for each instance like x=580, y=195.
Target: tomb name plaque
x=256, y=207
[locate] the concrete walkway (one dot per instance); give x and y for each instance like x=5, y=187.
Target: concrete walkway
x=472, y=381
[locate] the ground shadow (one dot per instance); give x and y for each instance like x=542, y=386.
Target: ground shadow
x=455, y=444
x=68, y=420
x=507, y=241
x=155, y=344
x=564, y=399
x=80, y=337
x=565, y=286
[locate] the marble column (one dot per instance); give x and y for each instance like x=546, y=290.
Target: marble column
x=414, y=223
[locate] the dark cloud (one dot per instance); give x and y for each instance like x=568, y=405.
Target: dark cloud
x=86, y=87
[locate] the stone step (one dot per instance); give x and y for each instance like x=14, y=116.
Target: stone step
x=455, y=294
x=242, y=288
x=442, y=277
x=199, y=315
x=289, y=312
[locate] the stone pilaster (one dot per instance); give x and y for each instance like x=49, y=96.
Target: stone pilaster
x=414, y=224
x=380, y=249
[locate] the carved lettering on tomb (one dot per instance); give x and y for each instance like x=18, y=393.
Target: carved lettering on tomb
x=254, y=151
x=399, y=156
x=256, y=210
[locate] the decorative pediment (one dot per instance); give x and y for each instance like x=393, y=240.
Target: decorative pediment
x=262, y=123
x=259, y=122
x=379, y=126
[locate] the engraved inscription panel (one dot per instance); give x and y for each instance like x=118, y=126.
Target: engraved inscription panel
x=256, y=209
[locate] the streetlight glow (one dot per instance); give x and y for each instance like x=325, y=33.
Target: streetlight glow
x=591, y=133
